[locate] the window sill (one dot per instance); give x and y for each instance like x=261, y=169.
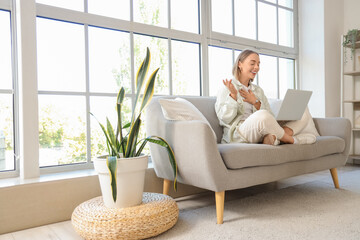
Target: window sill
x=10, y=182
x=16, y=181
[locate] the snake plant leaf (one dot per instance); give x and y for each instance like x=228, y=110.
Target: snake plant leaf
x=149, y=90
x=142, y=71
x=123, y=143
x=134, y=131
x=109, y=146
x=113, y=141
x=119, y=102
x=112, y=166
x=126, y=125
x=121, y=96
x=160, y=141
x=135, y=141
x=140, y=76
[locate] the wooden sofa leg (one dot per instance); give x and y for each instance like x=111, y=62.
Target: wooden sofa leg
x=334, y=176
x=166, y=186
x=219, y=200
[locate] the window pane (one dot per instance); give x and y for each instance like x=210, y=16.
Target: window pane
x=103, y=107
x=153, y=12
x=245, y=18
x=159, y=59
x=286, y=33
x=185, y=68
x=62, y=130
x=6, y=133
x=109, y=60
x=268, y=75
x=221, y=12
x=236, y=54
x=185, y=15
x=220, y=67
x=267, y=23
x=286, y=75
x=61, y=55
x=5, y=51
x=286, y=3
x=77, y=5
x=110, y=8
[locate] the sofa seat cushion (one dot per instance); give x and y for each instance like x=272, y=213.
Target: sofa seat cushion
x=242, y=155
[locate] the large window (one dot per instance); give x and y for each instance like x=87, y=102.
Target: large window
x=88, y=49
x=7, y=95
x=266, y=21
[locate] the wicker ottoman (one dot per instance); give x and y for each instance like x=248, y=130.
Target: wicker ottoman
x=156, y=214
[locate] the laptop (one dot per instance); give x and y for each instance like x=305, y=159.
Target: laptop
x=293, y=106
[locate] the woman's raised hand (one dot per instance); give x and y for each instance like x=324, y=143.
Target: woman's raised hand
x=232, y=89
x=248, y=96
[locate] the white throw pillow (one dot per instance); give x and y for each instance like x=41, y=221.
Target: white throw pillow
x=310, y=127
x=179, y=109
x=275, y=105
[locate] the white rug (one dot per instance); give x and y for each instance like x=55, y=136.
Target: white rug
x=315, y=210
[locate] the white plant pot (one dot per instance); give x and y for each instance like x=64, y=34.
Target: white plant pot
x=130, y=179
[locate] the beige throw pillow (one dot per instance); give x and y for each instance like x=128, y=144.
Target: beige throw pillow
x=179, y=109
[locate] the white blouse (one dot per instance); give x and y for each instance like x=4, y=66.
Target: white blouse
x=232, y=113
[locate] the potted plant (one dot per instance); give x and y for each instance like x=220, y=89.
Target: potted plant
x=122, y=171
x=350, y=40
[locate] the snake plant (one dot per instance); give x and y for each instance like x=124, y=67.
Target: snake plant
x=127, y=145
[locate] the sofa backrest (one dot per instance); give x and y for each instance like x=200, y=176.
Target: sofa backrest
x=206, y=106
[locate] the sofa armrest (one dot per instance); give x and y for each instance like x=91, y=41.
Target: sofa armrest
x=340, y=127
x=197, y=155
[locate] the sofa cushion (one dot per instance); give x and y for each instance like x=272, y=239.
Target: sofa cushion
x=242, y=155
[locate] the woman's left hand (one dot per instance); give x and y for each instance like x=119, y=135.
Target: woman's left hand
x=248, y=96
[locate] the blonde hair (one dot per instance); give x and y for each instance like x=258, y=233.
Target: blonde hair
x=241, y=58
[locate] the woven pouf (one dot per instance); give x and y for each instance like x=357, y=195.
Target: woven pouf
x=156, y=214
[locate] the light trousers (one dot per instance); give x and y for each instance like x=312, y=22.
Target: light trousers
x=262, y=122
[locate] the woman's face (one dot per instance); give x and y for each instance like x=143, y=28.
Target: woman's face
x=250, y=66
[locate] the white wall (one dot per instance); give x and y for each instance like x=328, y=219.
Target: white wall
x=320, y=28
x=311, y=53
x=334, y=21
x=351, y=14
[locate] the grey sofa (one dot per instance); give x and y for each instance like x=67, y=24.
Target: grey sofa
x=206, y=163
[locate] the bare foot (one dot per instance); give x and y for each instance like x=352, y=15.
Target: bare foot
x=288, y=131
x=269, y=139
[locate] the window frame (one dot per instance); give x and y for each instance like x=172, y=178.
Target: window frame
x=131, y=27
x=8, y=5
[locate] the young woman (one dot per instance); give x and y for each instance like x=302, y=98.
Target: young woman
x=244, y=111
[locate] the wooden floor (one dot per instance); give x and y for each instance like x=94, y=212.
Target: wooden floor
x=64, y=230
